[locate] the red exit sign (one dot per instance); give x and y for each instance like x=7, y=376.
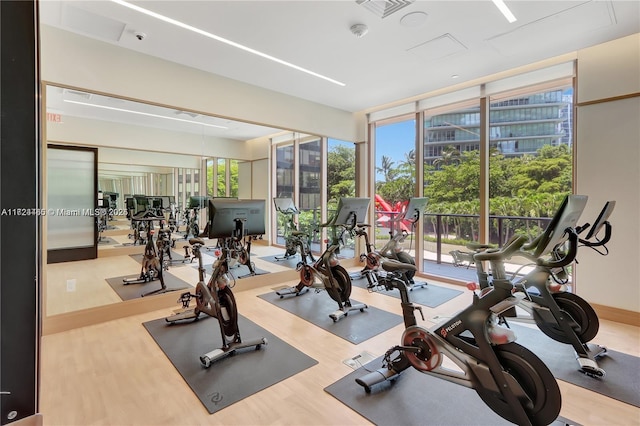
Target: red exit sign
x=55, y=118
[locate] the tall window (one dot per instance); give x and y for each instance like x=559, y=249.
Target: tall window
x=284, y=171
x=222, y=177
x=233, y=178
x=341, y=178
x=530, y=160
x=395, y=179
x=310, y=173
x=451, y=179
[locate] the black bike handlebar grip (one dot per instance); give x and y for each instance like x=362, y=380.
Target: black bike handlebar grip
x=569, y=257
x=605, y=240
x=506, y=252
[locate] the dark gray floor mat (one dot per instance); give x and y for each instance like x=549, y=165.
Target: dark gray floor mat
x=133, y=291
x=416, y=399
x=622, y=380
x=431, y=296
x=316, y=307
x=233, y=378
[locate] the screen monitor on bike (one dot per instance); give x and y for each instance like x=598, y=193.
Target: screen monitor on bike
x=224, y=212
x=349, y=206
x=198, y=201
x=602, y=218
x=566, y=217
x=416, y=204
x=141, y=203
x=285, y=205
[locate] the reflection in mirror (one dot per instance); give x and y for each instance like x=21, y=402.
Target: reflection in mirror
x=144, y=150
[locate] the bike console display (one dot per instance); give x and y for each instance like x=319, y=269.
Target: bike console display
x=224, y=214
x=601, y=220
x=285, y=205
x=566, y=217
x=416, y=205
x=351, y=206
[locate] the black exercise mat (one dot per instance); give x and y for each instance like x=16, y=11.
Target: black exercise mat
x=291, y=262
x=176, y=259
x=415, y=398
x=133, y=291
x=233, y=378
x=316, y=307
x=239, y=271
x=622, y=380
x=106, y=241
x=430, y=296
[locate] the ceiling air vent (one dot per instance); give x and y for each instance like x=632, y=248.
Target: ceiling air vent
x=384, y=8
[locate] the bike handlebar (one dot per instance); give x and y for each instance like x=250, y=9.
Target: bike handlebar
x=504, y=253
x=568, y=257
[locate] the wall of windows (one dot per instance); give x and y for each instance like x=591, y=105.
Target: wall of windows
x=222, y=177
x=493, y=166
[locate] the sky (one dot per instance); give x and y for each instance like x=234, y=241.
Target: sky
x=394, y=141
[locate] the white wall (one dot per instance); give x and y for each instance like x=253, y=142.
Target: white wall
x=90, y=132
x=608, y=168
x=72, y=60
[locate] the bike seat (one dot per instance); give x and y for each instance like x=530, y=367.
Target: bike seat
x=194, y=241
x=363, y=225
x=297, y=233
x=391, y=265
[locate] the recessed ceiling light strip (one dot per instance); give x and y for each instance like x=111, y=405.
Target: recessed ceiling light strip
x=148, y=114
x=505, y=10
x=223, y=40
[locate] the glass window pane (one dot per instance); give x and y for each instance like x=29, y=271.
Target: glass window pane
x=395, y=176
x=531, y=160
x=451, y=181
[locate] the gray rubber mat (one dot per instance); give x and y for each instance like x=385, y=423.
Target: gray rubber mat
x=107, y=241
x=133, y=291
x=416, y=399
x=239, y=271
x=622, y=380
x=431, y=296
x=233, y=378
x=291, y=262
x=315, y=308
x=176, y=259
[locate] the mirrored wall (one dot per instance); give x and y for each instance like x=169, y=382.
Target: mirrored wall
x=142, y=149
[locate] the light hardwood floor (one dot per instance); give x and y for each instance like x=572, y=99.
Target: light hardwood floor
x=113, y=373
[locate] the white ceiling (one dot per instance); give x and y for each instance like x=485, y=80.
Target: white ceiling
x=470, y=39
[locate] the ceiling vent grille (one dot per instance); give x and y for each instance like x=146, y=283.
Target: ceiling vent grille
x=384, y=8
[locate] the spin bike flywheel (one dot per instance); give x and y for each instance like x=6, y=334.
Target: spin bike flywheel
x=582, y=317
x=429, y=356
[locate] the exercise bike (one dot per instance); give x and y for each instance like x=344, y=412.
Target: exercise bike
x=191, y=217
x=326, y=273
x=393, y=248
x=216, y=299
x=152, y=265
x=509, y=378
x=563, y=316
x=291, y=233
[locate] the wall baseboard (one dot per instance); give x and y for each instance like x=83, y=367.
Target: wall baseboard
x=91, y=316
x=617, y=315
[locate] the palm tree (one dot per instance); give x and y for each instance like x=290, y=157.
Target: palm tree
x=409, y=158
x=386, y=168
x=450, y=155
